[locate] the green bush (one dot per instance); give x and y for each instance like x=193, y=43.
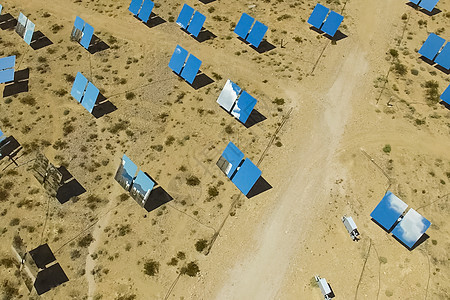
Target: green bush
x=201, y=244
x=192, y=180
x=86, y=241
x=387, y=148
x=151, y=267
x=191, y=269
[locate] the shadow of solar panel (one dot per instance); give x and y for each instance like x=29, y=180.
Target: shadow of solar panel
x=42, y=256
x=185, y=16
x=412, y=226
x=230, y=159
x=244, y=107
x=135, y=6
x=332, y=23
x=125, y=173
x=191, y=68
x=428, y=4
x=146, y=10
x=431, y=46
x=178, y=58
x=318, y=15
x=229, y=95
x=446, y=95
x=29, y=30
x=443, y=58
x=257, y=34
x=243, y=26
x=88, y=32
x=79, y=86
x=246, y=176
x=388, y=210
x=90, y=97
x=50, y=278
x=196, y=24
x=141, y=188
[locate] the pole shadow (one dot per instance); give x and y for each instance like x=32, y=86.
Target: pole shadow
x=157, y=198
x=153, y=21
x=7, y=21
x=19, y=85
x=259, y=187
x=70, y=188
x=422, y=239
x=97, y=45
x=254, y=118
x=201, y=80
x=39, y=41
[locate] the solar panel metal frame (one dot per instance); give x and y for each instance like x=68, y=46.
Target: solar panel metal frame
x=135, y=6
x=244, y=107
x=387, y=212
x=90, y=97
x=411, y=227
x=191, y=68
x=146, y=183
x=196, y=24
x=146, y=10
x=446, y=95
x=79, y=86
x=88, y=32
x=234, y=156
x=246, y=176
x=443, y=58
x=257, y=34
x=428, y=4
x=332, y=23
x=229, y=95
x=178, y=59
x=431, y=46
x=29, y=31
x=318, y=15
x=243, y=26
x=185, y=16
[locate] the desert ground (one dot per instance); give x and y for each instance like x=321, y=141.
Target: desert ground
x=346, y=121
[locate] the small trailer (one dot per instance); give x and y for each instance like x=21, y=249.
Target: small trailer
x=351, y=227
x=324, y=287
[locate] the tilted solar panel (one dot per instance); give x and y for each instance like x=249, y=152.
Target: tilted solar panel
x=318, y=15
x=246, y=176
x=388, y=210
x=87, y=36
x=146, y=10
x=6, y=75
x=257, y=34
x=244, y=107
x=141, y=188
x=196, y=24
x=412, y=226
x=332, y=23
x=1, y=7
x=29, y=31
x=7, y=62
x=243, y=26
x=415, y=1
x=2, y=137
x=443, y=58
x=126, y=172
x=233, y=157
x=446, y=95
x=191, y=68
x=178, y=58
x=21, y=24
x=79, y=86
x=428, y=4
x=431, y=46
x=185, y=16
x=229, y=95
x=90, y=97
x=79, y=23
x=135, y=6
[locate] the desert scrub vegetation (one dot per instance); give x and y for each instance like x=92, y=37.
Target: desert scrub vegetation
x=432, y=91
x=191, y=269
x=387, y=148
x=119, y=126
x=28, y=100
x=151, y=267
x=201, y=244
x=192, y=180
x=130, y=95
x=86, y=241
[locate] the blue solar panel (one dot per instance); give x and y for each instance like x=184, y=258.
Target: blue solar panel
x=388, y=210
x=246, y=176
x=428, y=4
x=129, y=169
x=79, y=23
x=87, y=36
x=318, y=15
x=446, y=95
x=244, y=106
x=332, y=23
x=7, y=62
x=143, y=185
x=29, y=32
x=185, y=16
x=256, y=35
x=22, y=19
x=90, y=97
x=1, y=7
x=134, y=7
x=229, y=95
x=6, y=75
x=146, y=10
x=431, y=46
x=178, y=58
x=79, y=85
x=415, y=1
x=411, y=228
x=443, y=58
x=243, y=26
x=191, y=68
x=234, y=157
x=196, y=24
x=2, y=137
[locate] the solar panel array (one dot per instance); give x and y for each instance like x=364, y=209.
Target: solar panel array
x=46, y=174
x=408, y=228
x=141, y=9
x=426, y=4
x=249, y=30
x=325, y=19
x=139, y=186
x=243, y=173
x=446, y=95
x=84, y=92
x=434, y=50
x=187, y=69
x=191, y=20
x=7, y=65
x=25, y=28
x=236, y=101
x=82, y=32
